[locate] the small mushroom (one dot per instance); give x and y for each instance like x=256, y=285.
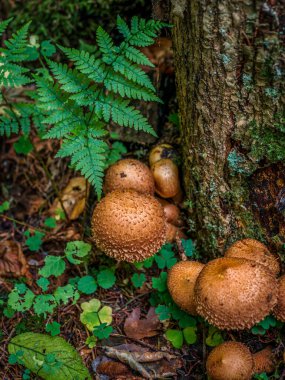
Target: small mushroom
x=173, y=232
x=230, y=361
x=128, y=225
x=159, y=152
x=233, y=293
x=129, y=174
x=279, y=310
x=254, y=250
x=172, y=212
x=181, y=281
x=264, y=361
x=166, y=178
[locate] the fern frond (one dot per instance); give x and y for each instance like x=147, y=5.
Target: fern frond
x=136, y=56
x=132, y=72
x=104, y=41
x=4, y=24
x=86, y=63
x=123, y=28
x=143, y=33
x=71, y=80
x=17, y=44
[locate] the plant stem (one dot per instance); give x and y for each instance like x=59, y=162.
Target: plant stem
x=22, y=223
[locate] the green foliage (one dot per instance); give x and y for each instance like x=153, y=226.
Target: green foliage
x=34, y=242
x=102, y=331
x=77, y=249
x=87, y=285
x=106, y=278
x=23, y=145
x=54, y=265
x=160, y=283
x=4, y=206
x=43, y=283
x=165, y=257
x=53, y=328
x=48, y=356
x=50, y=222
x=138, y=279
x=262, y=327
x=214, y=337
x=115, y=153
x=93, y=315
x=178, y=337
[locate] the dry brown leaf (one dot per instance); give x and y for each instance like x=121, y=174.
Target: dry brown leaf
x=113, y=369
x=73, y=198
x=137, y=328
x=12, y=260
x=161, y=55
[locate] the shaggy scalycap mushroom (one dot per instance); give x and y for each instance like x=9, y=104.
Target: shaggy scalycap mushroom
x=181, y=281
x=279, y=310
x=129, y=174
x=233, y=293
x=264, y=360
x=254, y=250
x=128, y=225
x=230, y=361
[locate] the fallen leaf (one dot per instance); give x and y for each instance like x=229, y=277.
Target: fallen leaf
x=161, y=55
x=137, y=328
x=73, y=198
x=113, y=369
x=12, y=260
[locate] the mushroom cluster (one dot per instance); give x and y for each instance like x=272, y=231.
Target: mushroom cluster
x=233, y=292
x=234, y=361
x=129, y=223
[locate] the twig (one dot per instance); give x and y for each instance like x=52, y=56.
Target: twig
x=23, y=223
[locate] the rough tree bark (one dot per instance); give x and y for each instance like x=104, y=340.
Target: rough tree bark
x=230, y=65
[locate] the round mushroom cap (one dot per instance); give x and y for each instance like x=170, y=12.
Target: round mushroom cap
x=279, y=310
x=159, y=152
x=181, y=281
x=129, y=174
x=235, y=294
x=128, y=225
x=263, y=361
x=254, y=250
x=166, y=178
x=230, y=361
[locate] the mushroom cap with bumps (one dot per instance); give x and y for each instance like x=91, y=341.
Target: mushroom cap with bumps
x=279, y=310
x=166, y=178
x=128, y=225
x=230, y=361
x=129, y=174
x=181, y=281
x=254, y=250
x=235, y=294
x=264, y=360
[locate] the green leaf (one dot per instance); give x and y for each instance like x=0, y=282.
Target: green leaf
x=165, y=257
x=103, y=331
x=214, y=337
x=175, y=337
x=188, y=247
x=4, y=206
x=43, y=283
x=44, y=303
x=23, y=145
x=91, y=341
x=160, y=283
x=50, y=222
x=54, y=265
x=138, y=279
x=163, y=312
x=40, y=349
x=106, y=279
x=65, y=293
x=92, y=315
x=78, y=249
x=34, y=242
x=189, y=334
x=20, y=301
x=87, y=285
x=47, y=48
x=53, y=328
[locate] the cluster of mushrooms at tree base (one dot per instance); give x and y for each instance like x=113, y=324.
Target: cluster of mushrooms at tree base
x=233, y=292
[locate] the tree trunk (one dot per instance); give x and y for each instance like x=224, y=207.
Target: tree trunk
x=230, y=65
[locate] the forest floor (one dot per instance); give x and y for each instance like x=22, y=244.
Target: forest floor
x=142, y=345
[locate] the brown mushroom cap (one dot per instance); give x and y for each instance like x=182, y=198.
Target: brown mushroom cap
x=181, y=281
x=279, y=310
x=171, y=211
x=128, y=225
x=230, y=361
x=159, y=152
x=234, y=293
x=254, y=250
x=264, y=360
x=166, y=178
x=129, y=174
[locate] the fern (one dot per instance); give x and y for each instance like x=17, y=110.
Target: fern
x=76, y=101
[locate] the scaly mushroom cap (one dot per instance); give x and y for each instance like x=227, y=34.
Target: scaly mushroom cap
x=230, y=361
x=181, y=281
x=128, y=225
x=234, y=293
x=166, y=178
x=264, y=361
x=254, y=250
x=129, y=174
x=279, y=310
